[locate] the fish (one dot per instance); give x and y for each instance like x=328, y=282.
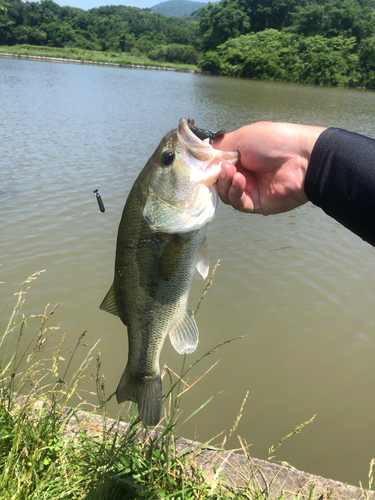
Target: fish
x=161, y=241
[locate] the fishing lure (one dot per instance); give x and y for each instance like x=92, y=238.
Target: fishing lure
x=99, y=200
x=203, y=134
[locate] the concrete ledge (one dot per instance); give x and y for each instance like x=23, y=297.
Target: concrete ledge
x=97, y=63
x=272, y=479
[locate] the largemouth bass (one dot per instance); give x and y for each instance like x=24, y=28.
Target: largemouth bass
x=161, y=241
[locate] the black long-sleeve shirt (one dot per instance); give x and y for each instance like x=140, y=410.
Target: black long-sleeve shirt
x=340, y=179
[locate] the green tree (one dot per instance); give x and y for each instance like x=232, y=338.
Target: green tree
x=230, y=18
x=326, y=61
x=260, y=55
x=109, y=27
x=271, y=14
x=3, y=8
x=367, y=61
x=334, y=18
x=220, y=22
x=278, y=55
x=11, y=15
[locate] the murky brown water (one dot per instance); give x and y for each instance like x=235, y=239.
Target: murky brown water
x=298, y=285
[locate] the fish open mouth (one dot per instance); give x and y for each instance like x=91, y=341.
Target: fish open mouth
x=201, y=150
x=208, y=159
x=199, y=154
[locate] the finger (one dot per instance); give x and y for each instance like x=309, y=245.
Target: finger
x=224, y=182
x=243, y=193
x=228, y=142
x=237, y=195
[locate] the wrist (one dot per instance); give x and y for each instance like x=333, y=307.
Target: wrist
x=307, y=137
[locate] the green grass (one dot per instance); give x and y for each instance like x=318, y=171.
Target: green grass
x=90, y=55
x=38, y=461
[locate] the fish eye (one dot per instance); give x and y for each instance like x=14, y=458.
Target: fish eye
x=167, y=157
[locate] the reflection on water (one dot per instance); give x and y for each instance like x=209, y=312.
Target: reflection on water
x=298, y=286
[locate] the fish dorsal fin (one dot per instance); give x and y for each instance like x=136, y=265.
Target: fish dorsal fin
x=203, y=262
x=184, y=336
x=109, y=303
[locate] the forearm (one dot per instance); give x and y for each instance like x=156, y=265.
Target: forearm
x=340, y=179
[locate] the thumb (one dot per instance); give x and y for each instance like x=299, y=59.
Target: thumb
x=227, y=142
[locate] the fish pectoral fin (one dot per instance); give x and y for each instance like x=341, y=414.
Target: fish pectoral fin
x=203, y=262
x=184, y=335
x=109, y=303
x=171, y=258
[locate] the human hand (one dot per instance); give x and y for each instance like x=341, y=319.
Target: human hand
x=269, y=177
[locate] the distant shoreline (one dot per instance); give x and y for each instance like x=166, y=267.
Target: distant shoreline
x=98, y=63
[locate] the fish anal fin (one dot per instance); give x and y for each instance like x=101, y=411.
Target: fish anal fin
x=146, y=391
x=171, y=258
x=109, y=303
x=184, y=335
x=203, y=262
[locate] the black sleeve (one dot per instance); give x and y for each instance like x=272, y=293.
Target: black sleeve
x=341, y=180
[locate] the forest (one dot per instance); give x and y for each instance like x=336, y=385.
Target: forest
x=117, y=28
x=325, y=42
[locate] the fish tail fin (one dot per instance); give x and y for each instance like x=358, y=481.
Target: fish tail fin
x=146, y=391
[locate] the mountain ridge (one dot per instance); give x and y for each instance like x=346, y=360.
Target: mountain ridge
x=177, y=8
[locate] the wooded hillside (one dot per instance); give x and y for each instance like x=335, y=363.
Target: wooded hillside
x=328, y=42
x=117, y=28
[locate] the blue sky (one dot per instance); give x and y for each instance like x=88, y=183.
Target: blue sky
x=89, y=4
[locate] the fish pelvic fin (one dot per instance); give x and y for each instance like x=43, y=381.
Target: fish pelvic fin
x=109, y=303
x=184, y=335
x=146, y=391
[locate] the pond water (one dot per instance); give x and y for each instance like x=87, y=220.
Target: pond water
x=298, y=286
